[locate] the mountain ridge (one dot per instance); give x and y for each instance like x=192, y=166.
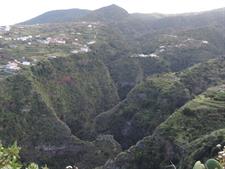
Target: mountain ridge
x=57, y=16
x=107, y=13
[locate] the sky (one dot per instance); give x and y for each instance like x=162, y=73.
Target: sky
x=14, y=11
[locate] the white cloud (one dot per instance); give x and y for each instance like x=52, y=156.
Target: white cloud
x=13, y=11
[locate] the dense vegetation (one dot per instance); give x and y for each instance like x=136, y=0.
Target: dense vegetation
x=35, y=111
x=99, y=82
x=10, y=158
x=152, y=101
x=189, y=134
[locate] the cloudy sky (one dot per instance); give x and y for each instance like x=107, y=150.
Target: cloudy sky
x=14, y=11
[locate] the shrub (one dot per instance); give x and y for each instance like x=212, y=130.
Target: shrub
x=9, y=158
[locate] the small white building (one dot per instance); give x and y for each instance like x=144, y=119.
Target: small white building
x=84, y=49
x=7, y=28
x=91, y=42
x=8, y=39
x=26, y=63
x=205, y=42
x=24, y=38
x=52, y=57
x=74, y=51
x=153, y=55
x=61, y=41
x=161, y=50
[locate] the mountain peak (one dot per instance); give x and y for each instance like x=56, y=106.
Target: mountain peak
x=108, y=13
x=113, y=7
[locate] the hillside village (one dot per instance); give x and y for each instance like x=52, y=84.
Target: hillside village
x=26, y=45
x=23, y=46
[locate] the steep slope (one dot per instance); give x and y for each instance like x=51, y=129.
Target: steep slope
x=127, y=72
x=44, y=107
x=78, y=89
x=190, y=133
x=58, y=16
x=152, y=101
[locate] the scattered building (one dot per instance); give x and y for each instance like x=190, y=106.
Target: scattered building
x=7, y=28
x=74, y=51
x=8, y=39
x=43, y=42
x=90, y=26
x=161, y=50
x=52, y=57
x=172, y=36
x=152, y=55
x=84, y=49
x=205, y=42
x=91, y=42
x=24, y=38
x=26, y=63
x=56, y=40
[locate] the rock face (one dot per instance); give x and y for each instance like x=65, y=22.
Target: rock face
x=189, y=134
x=44, y=108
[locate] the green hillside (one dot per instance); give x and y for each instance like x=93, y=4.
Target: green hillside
x=189, y=134
x=46, y=107
x=77, y=87
x=152, y=101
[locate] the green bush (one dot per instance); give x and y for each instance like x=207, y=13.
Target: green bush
x=9, y=158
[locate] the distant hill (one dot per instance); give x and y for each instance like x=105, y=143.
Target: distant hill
x=136, y=22
x=108, y=13
x=58, y=16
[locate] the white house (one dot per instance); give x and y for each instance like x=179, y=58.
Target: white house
x=91, y=42
x=205, y=42
x=26, y=63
